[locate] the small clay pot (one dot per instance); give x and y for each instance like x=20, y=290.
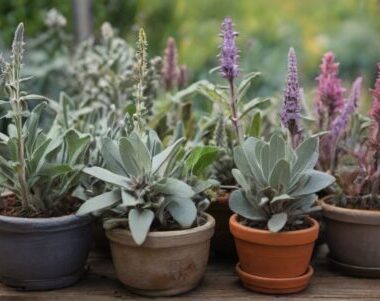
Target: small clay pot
x=168, y=262
x=276, y=263
x=353, y=237
x=43, y=253
x=222, y=243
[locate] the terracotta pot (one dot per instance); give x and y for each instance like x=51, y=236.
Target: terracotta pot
x=353, y=237
x=167, y=263
x=274, y=262
x=43, y=253
x=222, y=243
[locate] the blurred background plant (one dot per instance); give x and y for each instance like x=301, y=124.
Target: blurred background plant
x=350, y=28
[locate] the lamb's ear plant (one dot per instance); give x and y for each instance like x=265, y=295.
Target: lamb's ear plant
x=145, y=190
x=278, y=183
x=40, y=168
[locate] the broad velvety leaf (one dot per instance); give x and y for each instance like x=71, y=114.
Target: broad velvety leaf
x=280, y=175
x=183, y=210
x=100, y=202
x=161, y=160
x=130, y=158
x=277, y=222
x=171, y=186
x=317, y=181
x=139, y=221
x=307, y=155
x=107, y=176
x=240, y=179
x=111, y=156
x=242, y=207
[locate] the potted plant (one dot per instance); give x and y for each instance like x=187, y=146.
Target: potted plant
x=159, y=234
x=273, y=233
x=233, y=117
x=43, y=245
x=352, y=210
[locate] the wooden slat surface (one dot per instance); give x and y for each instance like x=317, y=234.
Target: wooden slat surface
x=220, y=283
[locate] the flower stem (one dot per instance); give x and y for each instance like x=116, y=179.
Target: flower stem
x=235, y=118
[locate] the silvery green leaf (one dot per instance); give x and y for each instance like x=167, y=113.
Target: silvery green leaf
x=282, y=197
x=263, y=201
x=31, y=125
x=76, y=145
x=111, y=156
x=256, y=103
x=202, y=185
x=240, y=179
x=107, y=176
x=171, y=186
x=130, y=158
x=242, y=207
x=277, y=222
x=100, y=202
x=276, y=150
x=280, y=175
x=183, y=210
x=128, y=199
x=317, y=181
x=162, y=160
x=245, y=83
x=265, y=160
x=144, y=158
x=307, y=156
x=139, y=221
x=154, y=143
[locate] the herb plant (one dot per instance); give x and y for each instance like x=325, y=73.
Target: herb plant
x=146, y=190
x=278, y=183
x=40, y=168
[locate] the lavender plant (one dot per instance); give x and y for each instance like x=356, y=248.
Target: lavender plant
x=358, y=171
x=290, y=114
x=40, y=168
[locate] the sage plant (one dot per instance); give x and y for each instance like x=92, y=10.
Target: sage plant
x=290, y=114
x=229, y=69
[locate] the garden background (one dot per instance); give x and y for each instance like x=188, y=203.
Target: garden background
x=350, y=28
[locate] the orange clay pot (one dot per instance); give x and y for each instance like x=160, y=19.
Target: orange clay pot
x=275, y=263
x=222, y=243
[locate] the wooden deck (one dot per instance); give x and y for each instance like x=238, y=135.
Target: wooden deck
x=220, y=283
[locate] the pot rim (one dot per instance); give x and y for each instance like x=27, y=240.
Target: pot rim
x=352, y=216
x=48, y=224
x=165, y=239
x=265, y=237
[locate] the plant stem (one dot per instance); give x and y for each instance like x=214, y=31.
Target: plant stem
x=235, y=118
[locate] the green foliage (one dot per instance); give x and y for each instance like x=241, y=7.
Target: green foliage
x=41, y=169
x=278, y=184
x=146, y=185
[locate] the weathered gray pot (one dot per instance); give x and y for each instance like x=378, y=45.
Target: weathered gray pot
x=353, y=237
x=168, y=262
x=43, y=253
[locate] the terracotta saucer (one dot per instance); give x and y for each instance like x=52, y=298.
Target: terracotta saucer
x=275, y=285
x=354, y=270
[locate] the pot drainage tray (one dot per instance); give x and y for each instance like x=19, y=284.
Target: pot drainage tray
x=275, y=285
x=354, y=270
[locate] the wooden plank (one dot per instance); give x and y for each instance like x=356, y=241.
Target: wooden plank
x=220, y=283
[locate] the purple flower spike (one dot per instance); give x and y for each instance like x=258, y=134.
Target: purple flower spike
x=229, y=53
x=330, y=99
x=374, y=113
x=290, y=114
x=339, y=124
x=169, y=68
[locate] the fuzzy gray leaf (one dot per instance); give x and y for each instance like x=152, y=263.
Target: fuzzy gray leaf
x=277, y=222
x=139, y=221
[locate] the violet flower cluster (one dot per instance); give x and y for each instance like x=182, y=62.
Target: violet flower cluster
x=169, y=68
x=339, y=125
x=173, y=76
x=229, y=69
x=291, y=109
x=330, y=98
x=229, y=53
x=374, y=112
